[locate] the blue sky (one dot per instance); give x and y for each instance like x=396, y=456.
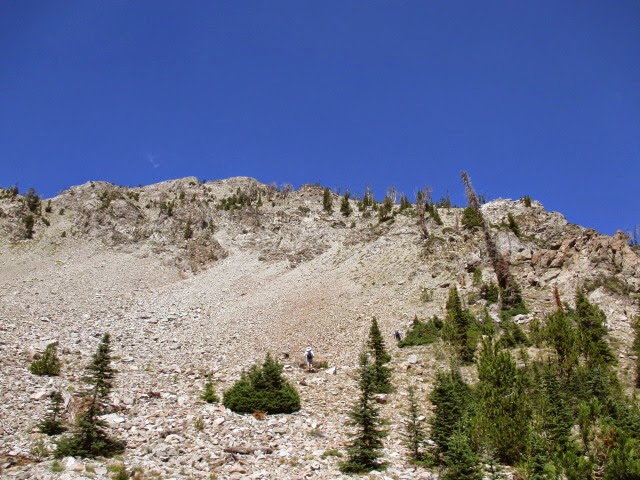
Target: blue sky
x=539, y=98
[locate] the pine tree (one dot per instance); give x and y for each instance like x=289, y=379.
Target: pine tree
x=89, y=438
x=451, y=400
x=561, y=334
x=414, y=436
x=636, y=348
x=382, y=373
x=460, y=460
x=327, y=201
x=384, y=212
x=51, y=424
x=345, y=205
x=502, y=416
x=592, y=332
x=457, y=327
x=48, y=363
x=365, y=448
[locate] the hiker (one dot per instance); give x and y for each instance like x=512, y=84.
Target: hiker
x=397, y=334
x=308, y=356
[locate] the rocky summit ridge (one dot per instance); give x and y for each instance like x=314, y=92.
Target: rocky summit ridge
x=194, y=277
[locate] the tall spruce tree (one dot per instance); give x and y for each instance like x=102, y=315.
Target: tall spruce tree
x=452, y=401
x=502, y=413
x=561, y=334
x=89, y=437
x=365, y=449
x=636, y=348
x=457, y=327
x=414, y=434
x=382, y=373
x=592, y=332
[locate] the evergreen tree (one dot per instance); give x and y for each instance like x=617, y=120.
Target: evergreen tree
x=503, y=416
x=51, y=424
x=470, y=218
x=452, y=402
x=382, y=373
x=89, y=437
x=384, y=212
x=345, y=205
x=365, y=448
x=561, y=334
x=457, y=327
x=262, y=388
x=592, y=332
x=414, y=436
x=48, y=363
x=28, y=221
x=460, y=460
x=636, y=348
x=327, y=201
x=404, y=203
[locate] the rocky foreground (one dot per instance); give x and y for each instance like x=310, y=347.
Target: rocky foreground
x=247, y=281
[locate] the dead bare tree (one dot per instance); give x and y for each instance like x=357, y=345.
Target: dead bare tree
x=510, y=290
x=423, y=197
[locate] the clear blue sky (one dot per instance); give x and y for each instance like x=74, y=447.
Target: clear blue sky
x=530, y=97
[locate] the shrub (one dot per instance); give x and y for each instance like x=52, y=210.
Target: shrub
x=188, y=230
x=527, y=201
x=209, y=393
x=262, y=388
x=48, y=364
x=422, y=333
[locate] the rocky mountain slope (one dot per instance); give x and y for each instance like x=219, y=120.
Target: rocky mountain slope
x=192, y=278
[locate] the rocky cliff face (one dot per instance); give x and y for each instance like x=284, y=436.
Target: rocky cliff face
x=192, y=278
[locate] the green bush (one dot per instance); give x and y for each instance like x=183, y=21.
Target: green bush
x=48, y=364
x=422, y=333
x=262, y=388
